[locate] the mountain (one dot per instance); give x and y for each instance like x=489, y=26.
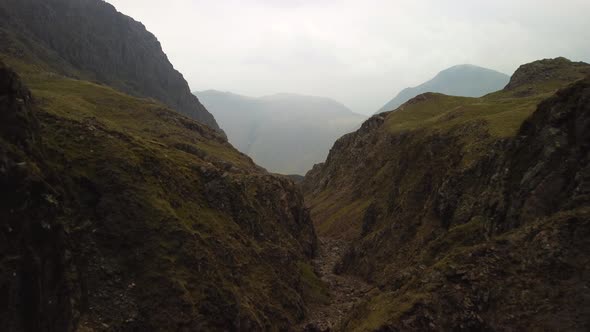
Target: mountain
x=121, y=213
x=466, y=214
x=285, y=133
x=89, y=39
x=118, y=213
x=461, y=80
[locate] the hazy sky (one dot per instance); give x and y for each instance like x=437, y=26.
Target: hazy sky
x=359, y=52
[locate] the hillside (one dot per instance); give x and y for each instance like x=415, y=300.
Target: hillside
x=467, y=213
x=90, y=40
x=284, y=133
x=118, y=213
x=461, y=80
x=130, y=216
x=124, y=206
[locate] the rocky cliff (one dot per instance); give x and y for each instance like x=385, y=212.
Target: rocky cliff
x=467, y=213
x=89, y=39
x=118, y=213
x=33, y=273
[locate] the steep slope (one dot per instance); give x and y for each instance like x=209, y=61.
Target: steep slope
x=284, y=133
x=32, y=274
x=461, y=80
x=467, y=213
x=89, y=39
x=118, y=213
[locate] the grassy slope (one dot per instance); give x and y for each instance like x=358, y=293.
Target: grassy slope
x=476, y=122
x=396, y=167
x=168, y=219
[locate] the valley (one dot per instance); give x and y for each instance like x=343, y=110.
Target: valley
x=343, y=291
x=284, y=133
x=499, y=177
x=129, y=204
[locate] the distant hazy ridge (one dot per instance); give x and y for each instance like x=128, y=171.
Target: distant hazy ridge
x=284, y=133
x=461, y=80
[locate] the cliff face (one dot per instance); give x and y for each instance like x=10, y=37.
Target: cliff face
x=117, y=213
x=99, y=44
x=467, y=213
x=33, y=270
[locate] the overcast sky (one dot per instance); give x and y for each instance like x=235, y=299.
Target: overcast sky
x=359, y=52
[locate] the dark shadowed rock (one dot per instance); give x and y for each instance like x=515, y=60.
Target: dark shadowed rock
x=33, y=268
x=117, y=213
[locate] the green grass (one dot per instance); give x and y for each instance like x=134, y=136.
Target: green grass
x=146, y=167
x=338, y=222
x=475, y=122
x=503, y=112
x=503, y=116
x=407, y=160
x=458, y=236
x=148, y=122
x=381, y=309
x=314, y=289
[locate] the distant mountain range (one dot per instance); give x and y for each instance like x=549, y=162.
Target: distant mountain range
x=285, y=133
x=460, y=80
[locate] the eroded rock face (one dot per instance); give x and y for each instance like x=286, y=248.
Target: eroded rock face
x=100, y=232
x=33, y=273
x=540, y=172
x=102, y=45
x=456, y=245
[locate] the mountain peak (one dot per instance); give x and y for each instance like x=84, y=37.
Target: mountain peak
x=467, y=67
x=461, y=80
x=139, y=66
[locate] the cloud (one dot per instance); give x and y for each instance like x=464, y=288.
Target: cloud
x=358, y=52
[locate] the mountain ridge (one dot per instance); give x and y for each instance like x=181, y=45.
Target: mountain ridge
x=285, y=133
x=460, y=80
x=106, y=46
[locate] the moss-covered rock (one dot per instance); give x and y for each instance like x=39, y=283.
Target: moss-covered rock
x=133, y=216
x=458, y=191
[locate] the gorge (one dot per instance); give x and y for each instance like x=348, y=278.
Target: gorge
x=123, y=207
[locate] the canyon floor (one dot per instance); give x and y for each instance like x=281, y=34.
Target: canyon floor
x=345, y=291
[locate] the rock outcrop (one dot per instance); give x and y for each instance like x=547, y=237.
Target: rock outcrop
x=546, y=71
